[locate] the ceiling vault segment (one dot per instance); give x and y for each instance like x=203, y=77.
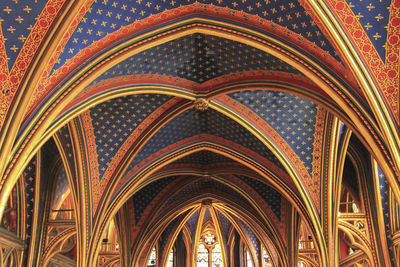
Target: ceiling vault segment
x=68, y=91
x=387, y=123
x=132, y=186
x=49, y=114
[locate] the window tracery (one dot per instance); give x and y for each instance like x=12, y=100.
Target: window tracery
x=209, y=252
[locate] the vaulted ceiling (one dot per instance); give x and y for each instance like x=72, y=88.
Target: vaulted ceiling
x=160, y=104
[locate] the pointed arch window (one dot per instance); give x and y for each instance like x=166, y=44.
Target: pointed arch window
x=351, y=195
x=153, y=258
x=217, y=256
x=249, y=261
x=209, y=252
x=202, y=256
x=171, y=258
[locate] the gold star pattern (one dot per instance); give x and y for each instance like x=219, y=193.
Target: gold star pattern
x=114, y=120
x=17, y=20
x=191, y=123
x=198, y=58
x=373, y=15
x=112, y=15
x=291, y=116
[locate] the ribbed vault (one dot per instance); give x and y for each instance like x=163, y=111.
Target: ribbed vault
x=134, y=132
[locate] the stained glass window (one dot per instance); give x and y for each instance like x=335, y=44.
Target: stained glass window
x=209, y=239
x=266, y=258
x=170, y=262
x=249, y=262
x=153, y=258
x=216, y=256
x=202, y=256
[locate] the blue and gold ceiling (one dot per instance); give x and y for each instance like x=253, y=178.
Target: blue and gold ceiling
x=291, y=116
x=225, y=226
x=193, y=122
x=199, y=58
x=17, y=19
x=251, y=237
x=201, y=186
x=374, y=18
x=169, y=230
x=143, y=200
x=115, y=120
x=192, y=187
x=192, y=223
x=105, y=17
x=203, y=158
x=144, y=196
x=270, y=195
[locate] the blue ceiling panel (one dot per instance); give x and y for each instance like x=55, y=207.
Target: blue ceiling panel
x=144, y=196
x=199, y=58
x=192, y=223
x=291, y=116
x=105, y=17
x=374, y=18
x=17, y=19
x=270, y=195
x=193, y=122
x=204, y=158
x=114, y=121
x=225, y=225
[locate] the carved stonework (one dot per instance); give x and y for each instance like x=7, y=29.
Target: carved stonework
x=11, y=249
x=201, y=104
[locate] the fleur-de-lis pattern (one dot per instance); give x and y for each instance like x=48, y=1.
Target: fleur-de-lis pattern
x=193, y=122
x=374, y=17
x=291, y=116
x=113, y=122
x=144, y=196
x=107, y=16
x=198, y=58
x=17, y=19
